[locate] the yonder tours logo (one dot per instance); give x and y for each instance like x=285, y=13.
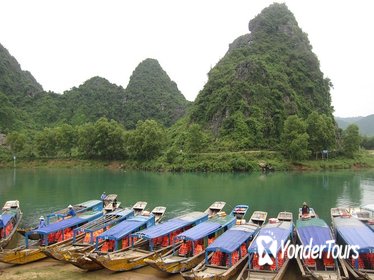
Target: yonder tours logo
x=267, y=244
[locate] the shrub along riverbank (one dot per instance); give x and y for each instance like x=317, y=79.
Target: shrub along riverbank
x=243, y=161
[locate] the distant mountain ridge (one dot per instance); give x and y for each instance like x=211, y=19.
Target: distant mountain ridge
x=150, y=94
x=365, y=124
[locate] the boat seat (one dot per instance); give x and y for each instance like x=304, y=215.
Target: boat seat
x=310, y=263
x=329, y=263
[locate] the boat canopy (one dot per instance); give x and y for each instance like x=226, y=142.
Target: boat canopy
x=199, y=231
x=5, y=218
x=59, y=225
x=126, y=227
x=206, y=228
x=172, y=225
x=313, y=230
x=355, y=233
x=369, y=207
x=94, y=205
x=106, y=220
x=232, y=239
x=67, y=223
x=278, y=231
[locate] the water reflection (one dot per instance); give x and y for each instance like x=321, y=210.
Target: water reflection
x=44, y=190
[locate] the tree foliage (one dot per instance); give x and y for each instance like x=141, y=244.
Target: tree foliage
x=147, y=141
x=351, y=140
x=16, y=141
x=295, y=139
x=195, y=139
x=102, y=140
x=321, y=131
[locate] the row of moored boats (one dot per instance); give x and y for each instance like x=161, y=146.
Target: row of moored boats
x=198, y=245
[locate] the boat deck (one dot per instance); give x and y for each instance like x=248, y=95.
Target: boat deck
x=172, y=259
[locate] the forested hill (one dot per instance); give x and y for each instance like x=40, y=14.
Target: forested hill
x=14, y=82
x=264, y=77
x=151, y=94
x=95, y=98
x=365, y=124
x=17, y=89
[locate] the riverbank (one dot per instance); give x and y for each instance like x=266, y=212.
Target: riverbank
x=52, y=269
x=207, y=162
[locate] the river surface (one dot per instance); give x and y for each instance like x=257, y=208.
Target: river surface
x=41, y=191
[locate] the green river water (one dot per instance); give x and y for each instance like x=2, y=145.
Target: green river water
x=41, y=191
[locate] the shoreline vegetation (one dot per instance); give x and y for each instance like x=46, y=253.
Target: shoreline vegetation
x=244, y=161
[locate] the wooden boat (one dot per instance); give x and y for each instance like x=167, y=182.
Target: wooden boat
x=215, y=208
x=191, y=252
x=277, y=229
x=155, y=241
x=258, y=218
x=9, y=221
x=159, y=213
x=116, y=238
x=90, y=205
x=55, y=234
x=339, y=212
x=139, y=207
x=352, y=232
x=226, y=255
x=90, y=231
x=239, y=212
x=285, y=216
x=312, y=214
x=110, y=203
x=317, y=233
x=365, y=214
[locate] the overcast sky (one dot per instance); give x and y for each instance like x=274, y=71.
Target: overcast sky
x=64, y=43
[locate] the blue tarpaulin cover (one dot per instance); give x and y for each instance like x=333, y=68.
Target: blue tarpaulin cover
x=124, y=228
x=67, y=223
x=355, y=233
x=199, y=231
x=172, y=225
x=60, y=225
x=5, y=218
x=232, y=239
x=313, y=229
x=106, y=220
x=278, y=231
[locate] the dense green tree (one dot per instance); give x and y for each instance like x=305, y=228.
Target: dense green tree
x=147, y=141
x=351, y=140
x=294, y=140
x=195, y=138
x=66, y=138
x=368, y=142
x=109, y=139
x=46, y=142
x=16, y=141
x=86, y=140
x=236, y=129
x=102, y=140
x=321, y=131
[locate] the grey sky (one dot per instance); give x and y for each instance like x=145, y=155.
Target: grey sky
x=64, y=43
